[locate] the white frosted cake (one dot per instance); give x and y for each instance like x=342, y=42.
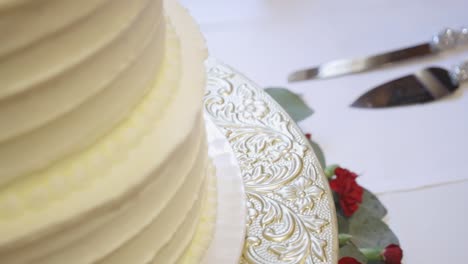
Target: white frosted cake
x=103, y=156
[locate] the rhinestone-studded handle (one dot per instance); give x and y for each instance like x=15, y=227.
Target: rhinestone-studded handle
x=460, y=73
x=450, y=38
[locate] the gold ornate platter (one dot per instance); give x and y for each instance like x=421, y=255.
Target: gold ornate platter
x=291, y=216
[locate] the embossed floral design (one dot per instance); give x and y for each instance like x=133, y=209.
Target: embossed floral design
x=301, y=192
x=252, y=212
x=251, y=109
x=257, y=174
x=283, y=224
x=259, y=155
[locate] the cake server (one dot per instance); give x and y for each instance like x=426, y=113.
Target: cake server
x=445, y=40
x=423, y=86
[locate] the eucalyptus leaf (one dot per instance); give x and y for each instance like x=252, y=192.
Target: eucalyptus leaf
x=351, y=250
x=343, y=223
x=318, y=152
x=291, y=102
x=373, y=205
x=369, y=231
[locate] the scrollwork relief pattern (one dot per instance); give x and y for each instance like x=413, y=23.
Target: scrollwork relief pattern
x=290, y=213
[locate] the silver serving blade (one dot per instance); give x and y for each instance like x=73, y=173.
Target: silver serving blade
x=424, y=86
x=447, y=39
x=344, y=67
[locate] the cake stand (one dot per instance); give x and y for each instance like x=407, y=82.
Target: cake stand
x=290, y=215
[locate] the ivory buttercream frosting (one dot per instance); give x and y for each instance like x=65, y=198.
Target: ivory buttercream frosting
x=103, y=156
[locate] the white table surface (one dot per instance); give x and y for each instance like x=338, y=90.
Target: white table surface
x=413, y=157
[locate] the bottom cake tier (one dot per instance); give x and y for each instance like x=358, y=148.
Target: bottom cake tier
x=139, y=195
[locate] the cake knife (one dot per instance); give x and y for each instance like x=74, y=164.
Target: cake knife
x=445, y=40
x=423, y=86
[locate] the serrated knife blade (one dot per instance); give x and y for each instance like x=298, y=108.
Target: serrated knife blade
x=423, y=86
x=445, y=40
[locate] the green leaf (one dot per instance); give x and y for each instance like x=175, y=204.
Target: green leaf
x=318, y=152
x=344, y=238
x=291, y=102
x=373, y=205
x=351, y=250
x=369, y=231
x=343, y=223
x=330, y=170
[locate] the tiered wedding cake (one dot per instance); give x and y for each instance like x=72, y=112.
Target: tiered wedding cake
x=103, y=157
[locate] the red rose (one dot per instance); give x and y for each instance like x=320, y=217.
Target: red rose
x=392, y=254
x=349, y=192
x=348, y=260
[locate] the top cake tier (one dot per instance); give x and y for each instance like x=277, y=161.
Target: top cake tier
x=70, y=71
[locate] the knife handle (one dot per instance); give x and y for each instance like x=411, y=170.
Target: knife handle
x=460, y=73
x=449, y=39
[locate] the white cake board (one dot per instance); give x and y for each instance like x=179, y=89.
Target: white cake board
x=228, y=238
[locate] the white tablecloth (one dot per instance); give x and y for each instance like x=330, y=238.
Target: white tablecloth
x=414, y=157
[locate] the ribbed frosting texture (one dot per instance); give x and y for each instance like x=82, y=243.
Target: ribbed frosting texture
x=103, y=153
x=70, y=71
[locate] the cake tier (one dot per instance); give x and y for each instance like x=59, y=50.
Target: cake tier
x=70, y=72
x=206, y=225
x=142, y=180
